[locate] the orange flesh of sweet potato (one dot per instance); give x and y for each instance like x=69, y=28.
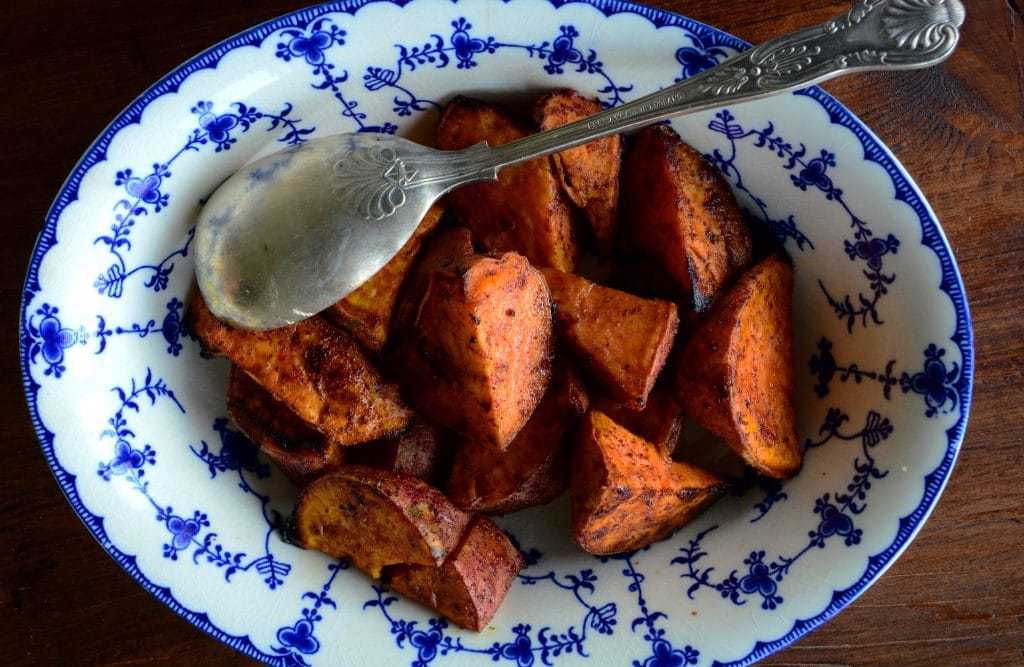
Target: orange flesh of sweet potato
x=377, y=518
x=420, y=452
x=589, y=173
x=295, y=447
x=525, y=210
x=659, y=423
x=533, y=469
x=448, y=250
x=681, y=211
x=626, y=494
x=621, y=339
x=367, y=312
x=488, y=335
x=315, y=369
x=736, y=374
x=470, y=586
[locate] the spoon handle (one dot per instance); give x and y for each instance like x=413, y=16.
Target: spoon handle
x=873, y=35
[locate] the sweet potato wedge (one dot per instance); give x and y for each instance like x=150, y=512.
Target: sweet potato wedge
x=315, y=369
x=376, y=518
x=736, y=374
x=367, y=312
x=526, y=210
x=422, y=451
x=487, y=334
x=626, y=494
x=296, y=448
x=680, y=210
x=533, y=469
x=589, y=173
x=471, y=584
x=659, y=423
x=448, y=250
x=620, y=339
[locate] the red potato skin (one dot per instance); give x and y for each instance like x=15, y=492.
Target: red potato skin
x=377, y=518
x=736, y=375
x=315, y=369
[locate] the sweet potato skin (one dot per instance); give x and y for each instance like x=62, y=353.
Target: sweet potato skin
x=488, y=336
x=471, y=584
x=315, y=369
x=681, y=211
x=622, y=340
x=423, y=451
x=589, y=173
x=296, y=448
x=377, y=518
x=526, y=210
x=736, y=375
x=659, y=423
x=533, y=469
x=626, y=494
x=367, y=312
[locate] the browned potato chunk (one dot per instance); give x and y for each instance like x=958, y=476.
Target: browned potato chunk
x=533, y=469
x=486, y=334
x=448, y=250
x=525, y=210
x=589, y=173
x=621, y=339
x=681, y=211
x=377, y=518
x=296, y=448
x=736, y=374
x=367, y=312
x=626, y=494
x=470, y=586
x=315, y=369
x=659, y=423
x=422, y=452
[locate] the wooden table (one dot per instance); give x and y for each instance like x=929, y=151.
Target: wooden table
x=955, y=597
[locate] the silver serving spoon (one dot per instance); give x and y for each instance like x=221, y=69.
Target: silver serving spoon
x=290, y=234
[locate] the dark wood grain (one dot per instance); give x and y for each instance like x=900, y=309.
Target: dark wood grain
x=955, y=597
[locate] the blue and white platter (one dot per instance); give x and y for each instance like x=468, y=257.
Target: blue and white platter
x=133, y=422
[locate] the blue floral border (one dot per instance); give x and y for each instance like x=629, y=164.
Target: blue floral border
x=874, y=151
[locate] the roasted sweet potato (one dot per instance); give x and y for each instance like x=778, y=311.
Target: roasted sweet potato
x=423, y=451
x=376, y=518
x=533, y=469
x=589, y=173
x=487, y=335
x=620, y=339
x=526, y=210
x=367, y=312
x=448, y=250
x=680, y=210
x=659, y=423
x=315, y=369
x=626, y=494
x=736, y=374
x=296, y=448
x=471, y=584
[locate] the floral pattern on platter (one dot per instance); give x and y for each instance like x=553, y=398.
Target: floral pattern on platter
x=383, y=91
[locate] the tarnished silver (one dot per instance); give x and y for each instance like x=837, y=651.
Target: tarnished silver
x=291, y=234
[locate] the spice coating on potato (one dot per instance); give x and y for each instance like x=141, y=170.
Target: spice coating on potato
x=659, y=423
x=367, y=312
x=533, y=469
x=448, y=250
x=296, y=448
x=626, y=494
x=681, y=211
x=620, y=339
x=736, y=374
x=589, y=173
x=421, y=452
x=315, y=369
x=471, y=584
x=526, y=210
x=377, y=518
x=488, y=336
